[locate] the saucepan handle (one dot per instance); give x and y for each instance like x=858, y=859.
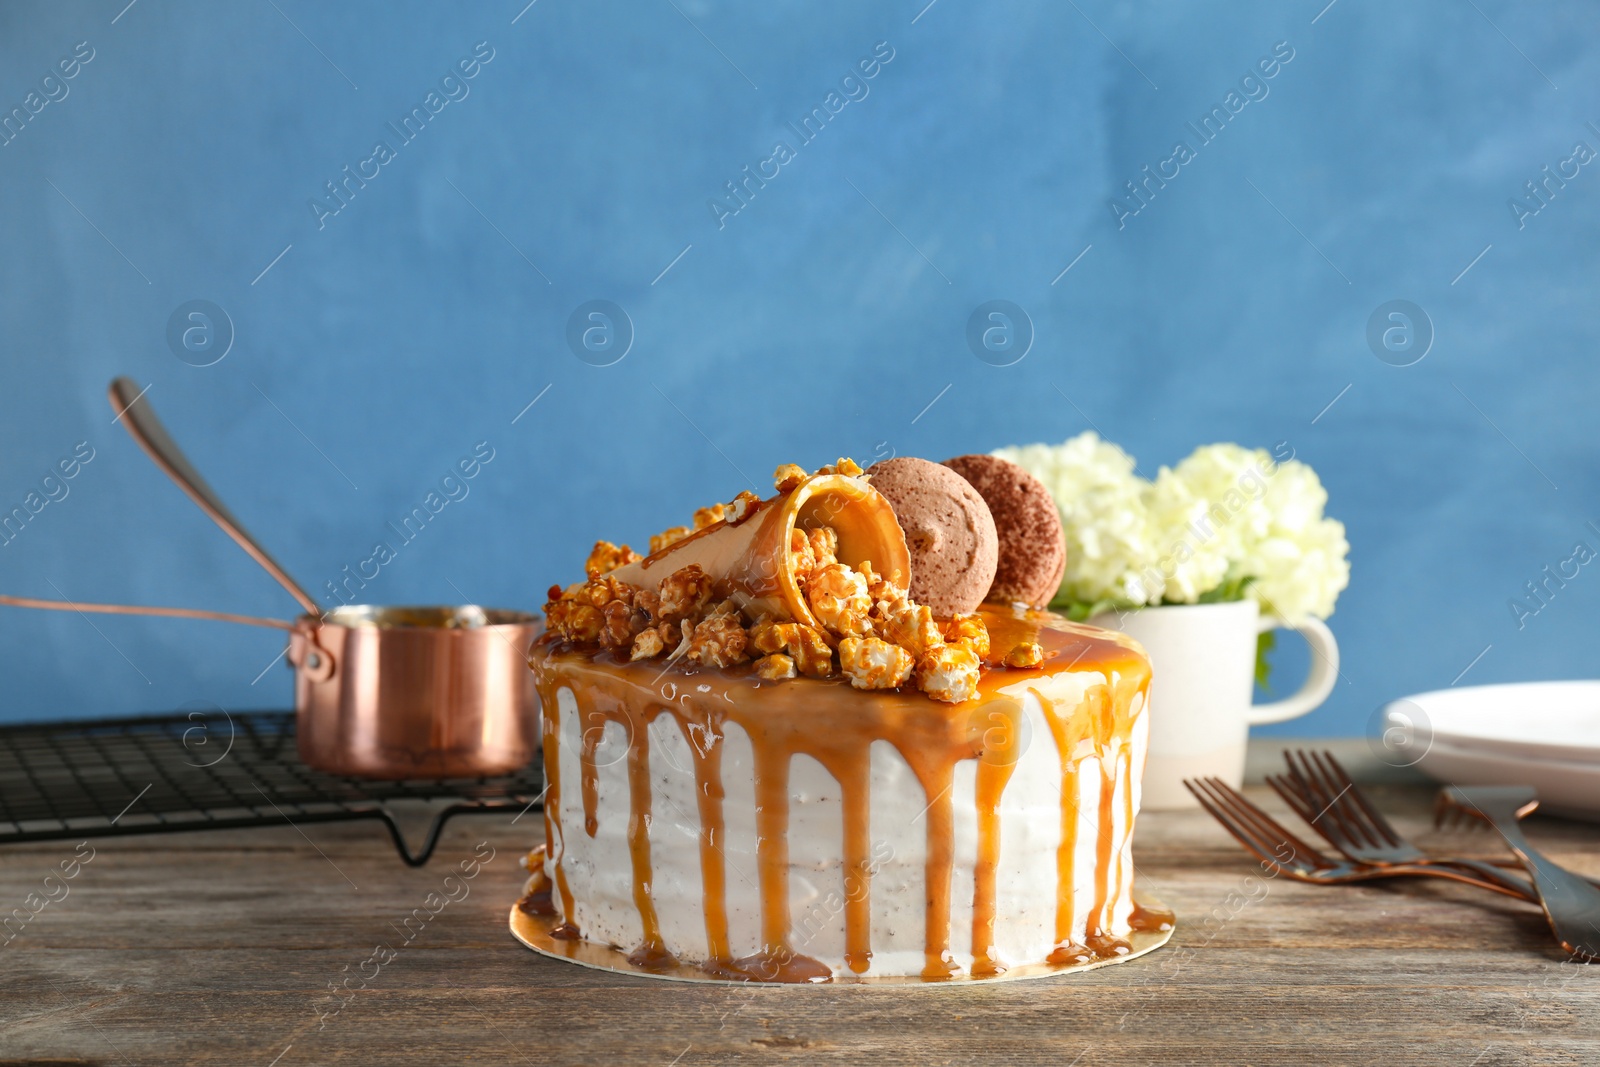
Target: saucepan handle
x=129, y=609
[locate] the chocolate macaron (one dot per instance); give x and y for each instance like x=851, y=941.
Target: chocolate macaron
x=952, y=537
x=1033, y=549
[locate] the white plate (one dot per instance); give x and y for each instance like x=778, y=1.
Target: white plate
x=1538, y=720
x=1564, y=788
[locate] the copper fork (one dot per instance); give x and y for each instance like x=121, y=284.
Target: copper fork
x=1320, y=791
x=1283, y=853
x=1571, y=903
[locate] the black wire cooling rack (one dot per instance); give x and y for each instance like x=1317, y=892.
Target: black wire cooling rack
x=208, y=771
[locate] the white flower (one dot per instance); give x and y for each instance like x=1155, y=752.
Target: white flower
x=1104, y=516
x=1224, y=514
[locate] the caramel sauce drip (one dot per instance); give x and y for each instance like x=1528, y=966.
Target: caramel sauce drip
x=837, y=726
x=653, y=952
x=552, y=805
x=855, y=780
x=707, y=755
x=1001, y=748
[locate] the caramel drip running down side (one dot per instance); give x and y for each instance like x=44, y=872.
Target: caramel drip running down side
x=1097, y=935
x=855, y=780
x=1067, y=951
x=707, y=754
x=592, y=730
x=772, y=848
x=1002, y=742
x=940, y=868
x=553, y=831
x=653, y=951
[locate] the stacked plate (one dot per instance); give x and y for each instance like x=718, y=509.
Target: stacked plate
x=1543, y=734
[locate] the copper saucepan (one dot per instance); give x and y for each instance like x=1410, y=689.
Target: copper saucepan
x=380, y=692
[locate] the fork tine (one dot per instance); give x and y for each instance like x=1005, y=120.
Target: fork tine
x=1340, y=792
x=1241, y=832
x=1375, y=821
x=1303, y=796
x=1293, y=793
x=1335, y=803
x=1320, y=798
x=1313, y=803
x=1267, y=827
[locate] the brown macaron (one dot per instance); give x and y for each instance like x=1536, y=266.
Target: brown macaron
x=1033, y=549
x=952, y=537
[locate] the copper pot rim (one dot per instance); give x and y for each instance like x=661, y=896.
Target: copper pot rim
x=455, y=619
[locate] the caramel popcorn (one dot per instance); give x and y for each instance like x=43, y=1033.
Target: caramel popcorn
x=1027, y=654
x=948, y=673
x=810, y=651
x=603, y=589
x=802, y=561
x=574, y=621
x=606, y=556
x=824, y=545
x=838, y=596
x=775, y=667
x=787, y=477
x=741, y=507
x=970, y=631
x=767, y=637
x=619, y=625
x=704, y=517
x=718, y=641
x=845, y=466
x=872, y=663
x=668, y=537
x=647, y=645
x=911, y=626
x=684, y=592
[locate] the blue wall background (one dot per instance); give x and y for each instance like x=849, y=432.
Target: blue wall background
x=372, y=352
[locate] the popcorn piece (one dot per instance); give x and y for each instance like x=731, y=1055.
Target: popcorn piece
x=742, y=506
x=809, y=650
x=845, y=466
x=888, y=593
x=704, y=517
x=802, y=561
x=684, y=592
x=668, y=537
x=647, y=645
x=606, y=556
x=838, y=596
x=767, y=637
x=824, y=545
x=1027, y=654
x=970, y=631
x=872, y=663
x=775, y=667
x=948, y=673
x=911, y=626
x=649, y=602
x=621, y=622
x=718, y=641
x=602, y=590
x=788, y=477
x=575, y=621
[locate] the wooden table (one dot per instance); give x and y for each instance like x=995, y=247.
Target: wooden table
x=216, y=947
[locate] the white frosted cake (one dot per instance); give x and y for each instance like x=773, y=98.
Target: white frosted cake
x=879, y=798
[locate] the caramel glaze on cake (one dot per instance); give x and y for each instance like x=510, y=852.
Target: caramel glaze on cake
x=837, y=726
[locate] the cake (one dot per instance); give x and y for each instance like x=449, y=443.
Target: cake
x=766, y=762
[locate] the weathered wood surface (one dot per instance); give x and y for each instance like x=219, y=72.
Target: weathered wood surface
x=216, y=948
